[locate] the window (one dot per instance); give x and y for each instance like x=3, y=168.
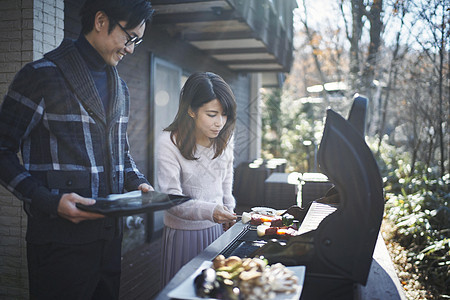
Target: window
x=166, y=86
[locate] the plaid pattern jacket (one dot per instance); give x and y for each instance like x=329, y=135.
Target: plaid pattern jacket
x=53, y=114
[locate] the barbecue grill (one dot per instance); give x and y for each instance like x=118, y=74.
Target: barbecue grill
x=339, y=230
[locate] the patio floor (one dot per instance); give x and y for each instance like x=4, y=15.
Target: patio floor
x=141, y=271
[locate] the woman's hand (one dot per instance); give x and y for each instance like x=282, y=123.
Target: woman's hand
x=224, y=216
x=228, y=225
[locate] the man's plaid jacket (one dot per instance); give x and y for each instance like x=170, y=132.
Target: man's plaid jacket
x=53, y=114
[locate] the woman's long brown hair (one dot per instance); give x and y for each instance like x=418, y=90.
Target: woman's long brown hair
x=200, y=88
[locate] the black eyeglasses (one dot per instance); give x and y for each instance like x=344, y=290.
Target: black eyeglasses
x=131, y=39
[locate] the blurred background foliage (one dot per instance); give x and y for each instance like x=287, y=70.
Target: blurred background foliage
x=396, y=53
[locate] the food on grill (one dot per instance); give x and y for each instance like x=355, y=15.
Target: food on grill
x=284, y=225
x=287, y=219
x=265, y=210
x=275, y=221
x=284, y=231
x=246, y=217
x=260, y=216
x=258, y=219
x=247, y=278
x=261, y=229
x=266, y=213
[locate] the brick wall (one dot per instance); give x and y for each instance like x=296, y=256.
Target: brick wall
x=48, y=26
x=28, y=28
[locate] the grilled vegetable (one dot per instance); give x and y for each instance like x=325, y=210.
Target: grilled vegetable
x=288, y=219
x=246, y=217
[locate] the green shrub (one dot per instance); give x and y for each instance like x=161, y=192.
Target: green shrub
x=419, y=205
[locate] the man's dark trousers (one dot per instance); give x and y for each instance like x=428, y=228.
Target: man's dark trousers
x=88, y=271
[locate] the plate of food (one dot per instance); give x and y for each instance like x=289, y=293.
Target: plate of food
x=236, y=278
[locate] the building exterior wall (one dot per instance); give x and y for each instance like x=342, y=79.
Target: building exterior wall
x=28, y=28
x=48, y=26
x=241, y=86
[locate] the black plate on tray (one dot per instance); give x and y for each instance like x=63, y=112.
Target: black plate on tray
x=131, y=203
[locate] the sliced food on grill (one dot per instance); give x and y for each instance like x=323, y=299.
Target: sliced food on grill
x=258, y=219
x=284, y=231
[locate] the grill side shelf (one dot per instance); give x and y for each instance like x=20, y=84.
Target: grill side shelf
x=234, y=244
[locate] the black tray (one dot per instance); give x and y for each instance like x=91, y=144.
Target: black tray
x=132, y=203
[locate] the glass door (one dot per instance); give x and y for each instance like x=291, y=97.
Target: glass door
x=166, y=80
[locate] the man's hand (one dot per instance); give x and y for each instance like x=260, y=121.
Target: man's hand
x=145, y=187
x=67, y=208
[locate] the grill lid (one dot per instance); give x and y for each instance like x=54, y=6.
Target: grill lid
x=345, y=240
x=338, y=240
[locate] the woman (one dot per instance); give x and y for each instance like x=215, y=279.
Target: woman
x=195, y=158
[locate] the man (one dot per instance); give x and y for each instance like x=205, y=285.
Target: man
x=68, y=115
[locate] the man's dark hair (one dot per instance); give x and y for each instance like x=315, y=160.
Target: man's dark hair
x=134, y=12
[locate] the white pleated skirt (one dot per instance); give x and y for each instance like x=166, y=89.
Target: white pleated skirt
x=180, y=246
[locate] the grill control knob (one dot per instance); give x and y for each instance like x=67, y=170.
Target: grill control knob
x=134, y=222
